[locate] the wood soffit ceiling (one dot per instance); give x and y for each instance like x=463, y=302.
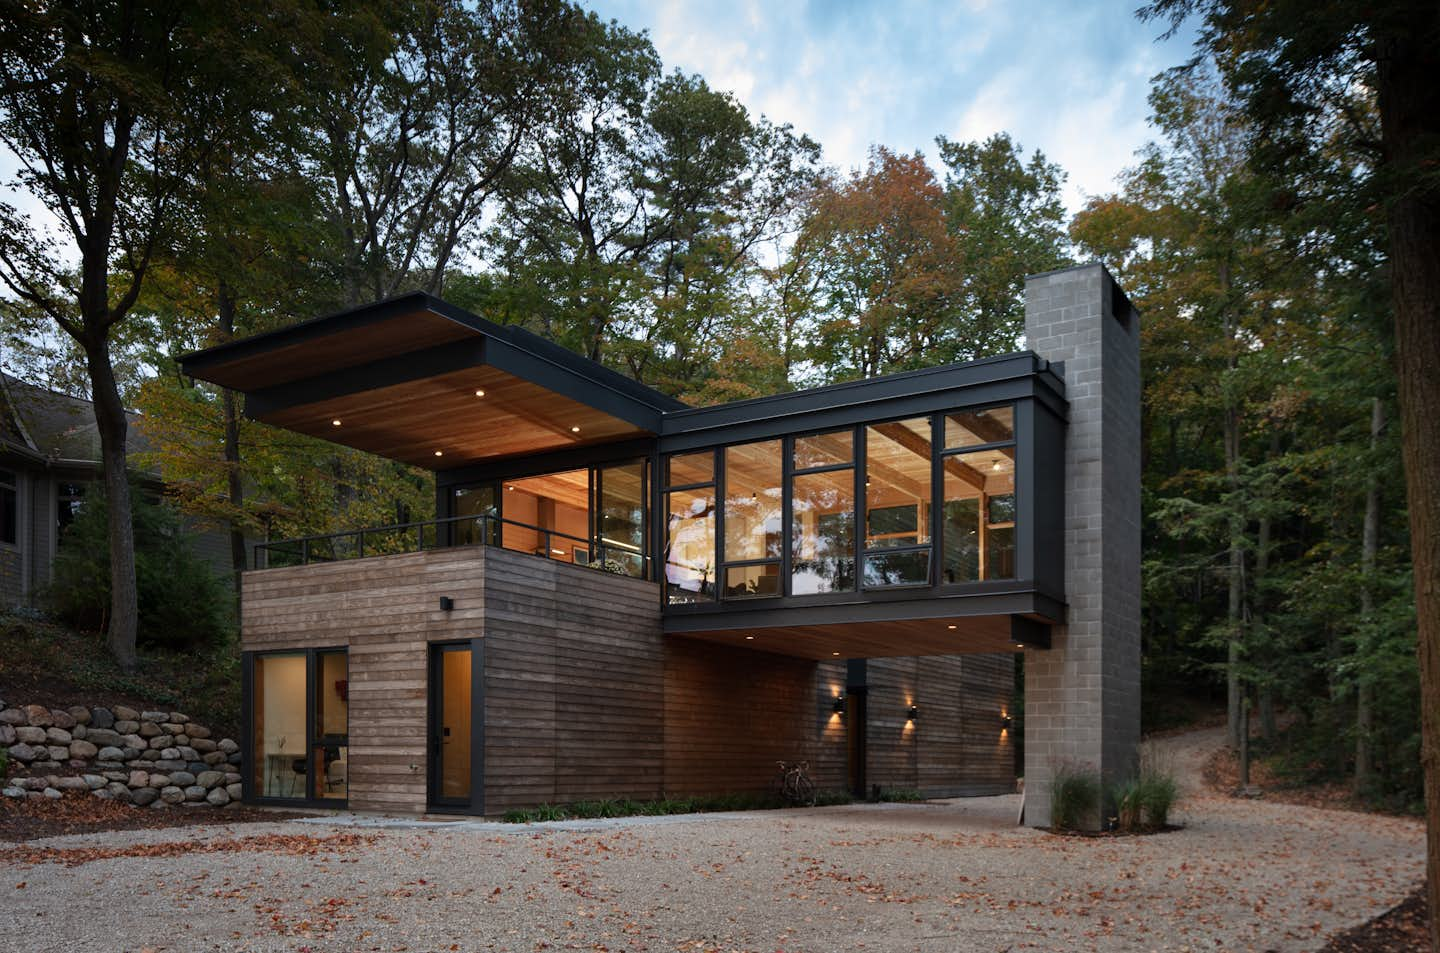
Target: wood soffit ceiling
x=958, y=636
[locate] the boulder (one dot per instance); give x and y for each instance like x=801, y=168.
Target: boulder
x=155, y=716
x=102, y=718
x=134, y=741
x=179, y=717
x=188, y=753
x=58, y=754
x=195, y=767
x=181, y=740
x=30, y=736
x=171, y=766
x=149, y=729
x=228, y=746
x=79, y=731
x=210, y=779
x=13, y=792
x=214, y=758
x=127, y=726
x=203, y=745
x=82, y=749
x=93, y=781
x=39, y=716
x=170, y=794
x=138, y=779
x=70, y=784
x=171, y=727
x=115, y=775
x=232, y=777
x=183, y=779
x=102, y=795
x=13, y=717
x=133, y=754
x=158, y=781
x=61, y=719
x=80, y=713
x=58, y=736
x=32, y=784
x=218, y=797
x=109, y=753
x=52, y=794
x=102, y=737
x=144, y=796
x=118, y=791
x=197, y=731
x=126, y=714
x=7, y=735
x=235, y=758
x=194, y=793
x=160, y=742
x=236, y=791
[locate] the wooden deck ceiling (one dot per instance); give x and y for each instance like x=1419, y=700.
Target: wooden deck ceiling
x=958, y=636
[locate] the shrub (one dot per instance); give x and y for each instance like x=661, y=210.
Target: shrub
x=1128, y=798
x=827, y=798
x=1074, y=796
x=183, y=605
x=903, y=795
x=1158, y=794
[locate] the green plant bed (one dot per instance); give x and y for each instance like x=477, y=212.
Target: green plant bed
x=625, y=807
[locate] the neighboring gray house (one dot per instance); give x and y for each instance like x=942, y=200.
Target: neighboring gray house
x=49, y=454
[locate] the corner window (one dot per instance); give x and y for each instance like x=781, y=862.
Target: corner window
x=753, y=522
x=690, y=528
x=300, y=753
x=898, y=464
x=822, y=514
x=978, y=509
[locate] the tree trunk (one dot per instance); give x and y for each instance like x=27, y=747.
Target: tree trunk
x=235, y=487
x=1369, y=545
x=1409, y=101
x=1258, y=612
x=113, y=427
x=1234, y=698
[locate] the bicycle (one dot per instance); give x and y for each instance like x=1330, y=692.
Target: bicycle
x=794, y=782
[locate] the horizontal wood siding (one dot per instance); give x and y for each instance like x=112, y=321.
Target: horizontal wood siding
x=731, y=714
x=955, y=745
x=573, y=684
x=384, y=610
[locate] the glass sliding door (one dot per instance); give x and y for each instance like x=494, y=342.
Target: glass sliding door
x=299, y=725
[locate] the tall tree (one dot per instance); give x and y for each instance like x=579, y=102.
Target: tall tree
x=1290, y=59
x=108, y=108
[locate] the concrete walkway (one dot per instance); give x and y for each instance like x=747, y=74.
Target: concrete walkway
x=943, y=876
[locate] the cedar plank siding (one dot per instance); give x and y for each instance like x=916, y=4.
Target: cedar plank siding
x=585, y=699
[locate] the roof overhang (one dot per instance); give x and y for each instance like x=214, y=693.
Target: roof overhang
x=419, y=380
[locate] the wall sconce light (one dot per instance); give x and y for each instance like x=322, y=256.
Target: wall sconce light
x=446, y=603
x=913, y=713
x=1006, y=722
x=839, y=706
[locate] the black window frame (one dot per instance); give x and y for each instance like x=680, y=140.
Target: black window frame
x=247, y=728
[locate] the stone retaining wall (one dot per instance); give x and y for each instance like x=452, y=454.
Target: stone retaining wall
x=148, y=758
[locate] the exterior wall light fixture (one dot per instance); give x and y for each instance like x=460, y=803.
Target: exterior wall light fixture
x=1006, y=722
x=912, y=713
x=839, y=706
x=446, y=604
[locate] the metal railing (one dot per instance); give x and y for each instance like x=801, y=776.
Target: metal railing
x=448, y=533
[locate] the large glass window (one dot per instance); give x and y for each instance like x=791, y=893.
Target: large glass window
x=620, y=522
x=978, y=513
x=278, y=698
x=822, y=514
x=690, y=528
x=9, y=508
x=898, y=462
x=300, y=754
x=478, y=503
x=548, y=515
x=753, y=519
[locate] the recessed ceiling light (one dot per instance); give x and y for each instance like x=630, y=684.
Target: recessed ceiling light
x=952, y=627
x=439, y=453
x=1019, y=645
x=335, y=422
x=574, y=429
x=834, y=653
x=480, y=392
x=749, y=638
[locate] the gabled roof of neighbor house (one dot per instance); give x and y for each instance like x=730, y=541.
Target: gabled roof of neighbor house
x=54, y=427
x=417, y=379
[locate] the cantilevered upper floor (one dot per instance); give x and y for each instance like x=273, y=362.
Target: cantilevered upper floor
x=917, y=513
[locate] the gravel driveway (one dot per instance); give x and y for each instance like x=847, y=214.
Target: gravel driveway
x=944, y=876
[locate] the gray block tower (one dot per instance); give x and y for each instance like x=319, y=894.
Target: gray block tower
x=1082, y=696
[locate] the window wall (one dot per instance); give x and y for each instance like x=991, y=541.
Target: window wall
x=915, y=502
x=590, y=517
x=300, y=706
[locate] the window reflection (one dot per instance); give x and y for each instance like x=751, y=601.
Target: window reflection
x=753, y=520
x=476, y=501
x=620, y=524
x=690, y=545
x=822, y=548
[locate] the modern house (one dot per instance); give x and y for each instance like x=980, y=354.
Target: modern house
x=626, y=596
x=49, y=456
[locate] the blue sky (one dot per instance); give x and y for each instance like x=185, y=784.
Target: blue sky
x=1067, y=78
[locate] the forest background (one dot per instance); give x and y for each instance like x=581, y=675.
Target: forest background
x=219, y=173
